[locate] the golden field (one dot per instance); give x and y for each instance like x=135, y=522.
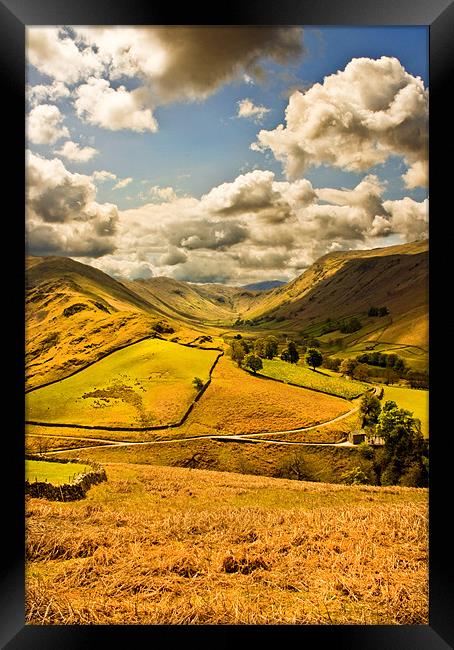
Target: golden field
x=179, y=546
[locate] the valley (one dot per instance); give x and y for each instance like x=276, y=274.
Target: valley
x=239, y=475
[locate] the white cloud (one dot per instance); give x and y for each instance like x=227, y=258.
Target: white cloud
x=355, y=119
x=74, y=152
x=190, y=62
x=47, y=92
x=57, y=55
x=63, y=217
x=44, y=125
x=113, y=109
x=122, y=183
x=162, y=193
x=102, y=175
x=409, y=218
x=246, y=108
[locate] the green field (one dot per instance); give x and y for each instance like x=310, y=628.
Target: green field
x=416, y=401
x=320, y=380
x=55, y=473
x=146, y=384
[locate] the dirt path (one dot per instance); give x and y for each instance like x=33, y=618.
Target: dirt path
x=251, y=437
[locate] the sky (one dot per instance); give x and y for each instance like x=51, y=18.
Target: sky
x=224, y=154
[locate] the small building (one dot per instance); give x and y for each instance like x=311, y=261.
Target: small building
x=356, y=437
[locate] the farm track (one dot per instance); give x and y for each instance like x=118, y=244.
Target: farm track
x=251, y=437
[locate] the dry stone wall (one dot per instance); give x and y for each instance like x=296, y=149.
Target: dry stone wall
x=66, y=491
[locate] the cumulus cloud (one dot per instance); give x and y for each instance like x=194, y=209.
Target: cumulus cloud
x=246, y=108
x=122, y=183
x=173, y=256
x=188, y=62
x=162, y=193
x=114, y=109
x=355, y=119
x=258, y=193
x=102, y=175
x=62, y=214
x=47, y=92
x=44, y=125
x=409, y=218
x=55, y=54
x=74, y=152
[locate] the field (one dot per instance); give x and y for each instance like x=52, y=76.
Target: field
x=42, y=444
x=318, y=380
x=55, y=473
x=416, y=401
x=149, y=383
x=178, y=546
x=237, y=403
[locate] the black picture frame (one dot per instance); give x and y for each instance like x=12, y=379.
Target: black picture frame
x=15, y=15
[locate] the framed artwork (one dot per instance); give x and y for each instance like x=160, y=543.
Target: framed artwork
x=225, y=342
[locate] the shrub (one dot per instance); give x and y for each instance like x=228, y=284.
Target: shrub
x=197, y=383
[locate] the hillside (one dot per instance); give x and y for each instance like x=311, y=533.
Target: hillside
x=345, y=284
x=75, y=314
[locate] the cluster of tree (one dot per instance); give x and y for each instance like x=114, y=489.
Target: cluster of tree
x=266, y=348
x=352, y=325
x=382, y=360
x=330, y=326
x=162, y=327
x=332, y=363
x=290, y=353
x=378, y=311
x=418, y=379
x=404, y=457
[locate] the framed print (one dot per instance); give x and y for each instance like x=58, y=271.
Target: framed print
x=229, y=323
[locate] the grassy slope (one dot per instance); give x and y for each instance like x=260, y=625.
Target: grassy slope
x=416, y=401
x=319, y=380
x=149, y=383
x=111, y=315
x=346, y=284
x=55, y=473
x=177, y=546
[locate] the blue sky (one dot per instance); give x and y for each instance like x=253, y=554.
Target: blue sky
x=200, y=141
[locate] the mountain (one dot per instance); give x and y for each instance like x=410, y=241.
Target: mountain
x=347, y=283
x=265, y=285
x=76, y=313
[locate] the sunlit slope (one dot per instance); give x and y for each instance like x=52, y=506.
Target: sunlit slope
x=146, y=384
x=201, y=303
x=344, y=284
x=75, y=314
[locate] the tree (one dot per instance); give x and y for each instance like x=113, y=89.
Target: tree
x=285, y=355
x=271, y=347
x=293, y=352
x=237, y=352
x=383, y=311
x=259, y=347
x=197, y=383
x=369, y=408
x=253, y=362
x=347, y=367
x=405, y=453
x=313, y=358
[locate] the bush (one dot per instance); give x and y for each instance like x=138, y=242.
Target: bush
x=197, y=383
x=352, y=325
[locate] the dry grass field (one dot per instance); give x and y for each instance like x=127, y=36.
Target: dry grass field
x=237, y=403
x=179, y=546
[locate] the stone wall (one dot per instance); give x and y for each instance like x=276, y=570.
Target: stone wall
x=67, y=491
